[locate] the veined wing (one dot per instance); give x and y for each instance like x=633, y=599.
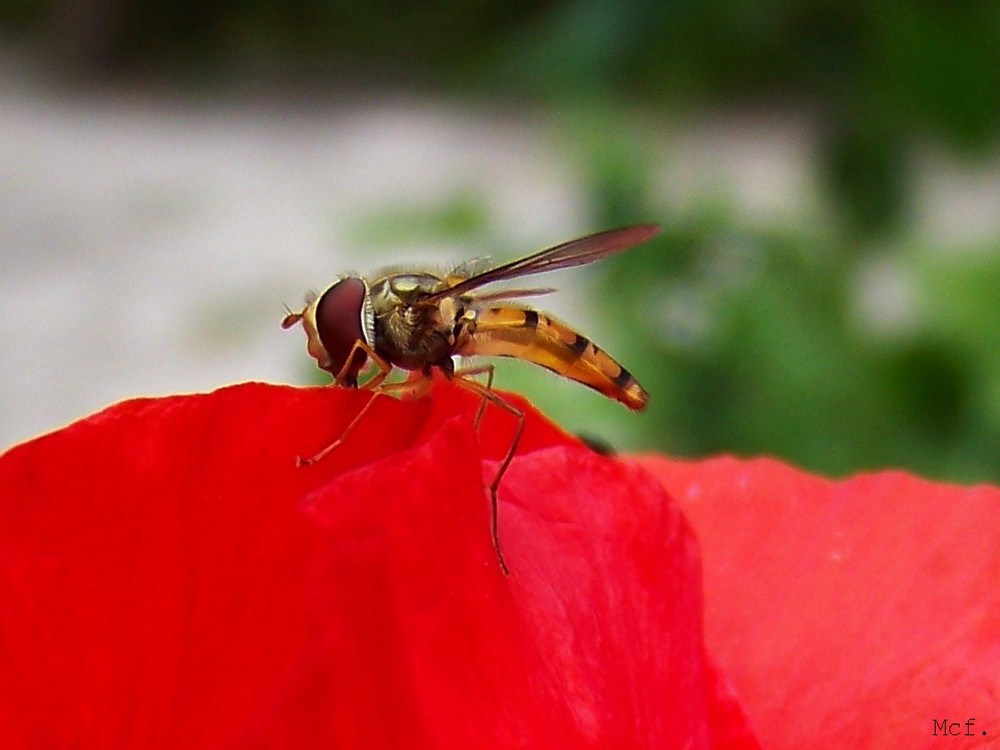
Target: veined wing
x=576, y=252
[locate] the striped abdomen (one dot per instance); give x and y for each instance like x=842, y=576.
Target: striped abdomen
x=535, y=337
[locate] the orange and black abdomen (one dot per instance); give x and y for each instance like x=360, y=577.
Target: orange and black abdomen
x=534, y=336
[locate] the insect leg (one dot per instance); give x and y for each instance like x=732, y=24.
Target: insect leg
x=384, y=368
x=374, y=384
x=493, y=398
x=415, y=386
x=479, y=370
x=343, y=435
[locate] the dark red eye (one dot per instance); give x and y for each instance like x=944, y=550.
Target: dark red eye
x=338, y=323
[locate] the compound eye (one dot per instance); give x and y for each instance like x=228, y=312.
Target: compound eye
x=338, y=323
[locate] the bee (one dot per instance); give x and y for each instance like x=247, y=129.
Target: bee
x=420, y=321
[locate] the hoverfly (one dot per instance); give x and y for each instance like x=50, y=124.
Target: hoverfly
x=419, y=321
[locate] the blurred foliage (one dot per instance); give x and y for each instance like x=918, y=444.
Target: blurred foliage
x=761, y=343
x=850, y=346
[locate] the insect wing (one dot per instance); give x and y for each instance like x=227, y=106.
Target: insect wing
x=513, y=294
x=576, y=252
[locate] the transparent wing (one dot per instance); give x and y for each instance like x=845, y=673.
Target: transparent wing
x=577, y=252
x=513, y=294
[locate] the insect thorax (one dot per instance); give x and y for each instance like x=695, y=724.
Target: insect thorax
x=412, y=336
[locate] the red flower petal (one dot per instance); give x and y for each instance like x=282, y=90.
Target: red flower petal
x=163, y=583
x=849, y=614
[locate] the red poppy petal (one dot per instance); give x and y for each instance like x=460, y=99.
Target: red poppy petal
x=148, y=563
x=594, y=641
x=849, y=614
x=160, y=585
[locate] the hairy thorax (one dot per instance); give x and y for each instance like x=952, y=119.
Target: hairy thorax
x=414, y=336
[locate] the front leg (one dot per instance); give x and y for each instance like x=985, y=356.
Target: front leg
x=415, y=385
x=346, y=378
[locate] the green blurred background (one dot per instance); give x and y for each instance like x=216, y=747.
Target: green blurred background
x=849, y=335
